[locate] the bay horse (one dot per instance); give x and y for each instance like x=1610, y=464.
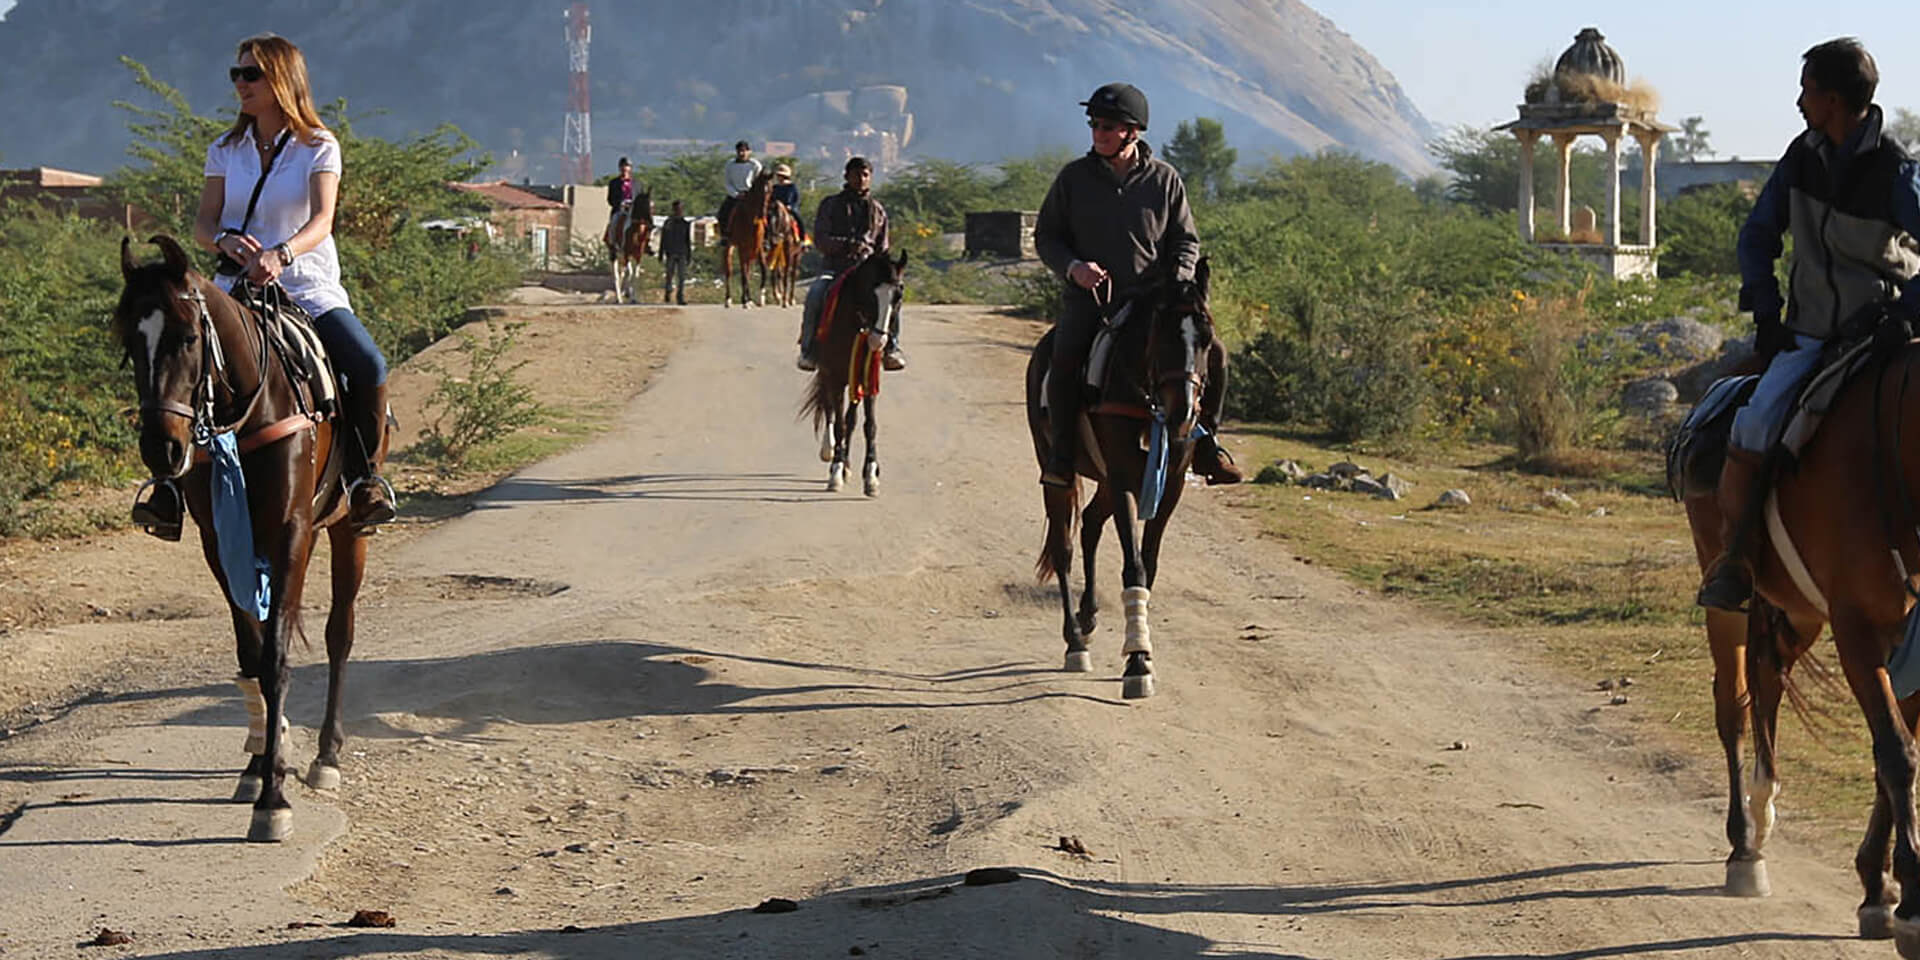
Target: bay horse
x=205, y=365
x=630, y=238
x=1157, y=372
x=1839, y=549
x=746, y=232
x=852, y=335
x=781, y=258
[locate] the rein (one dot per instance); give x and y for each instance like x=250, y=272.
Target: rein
x=201, y=412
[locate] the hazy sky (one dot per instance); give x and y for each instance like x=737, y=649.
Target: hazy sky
x=1735, y=64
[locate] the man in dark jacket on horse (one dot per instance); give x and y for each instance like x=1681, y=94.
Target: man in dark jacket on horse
x=849, y=227
x=620, y=191
x=1110, y=218
x=1851, y=196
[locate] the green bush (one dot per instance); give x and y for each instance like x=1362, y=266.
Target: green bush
x=1700, y=227
x=481, y=404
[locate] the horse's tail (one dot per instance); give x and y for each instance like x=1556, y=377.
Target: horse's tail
x=1058, y=534
x=822, y=397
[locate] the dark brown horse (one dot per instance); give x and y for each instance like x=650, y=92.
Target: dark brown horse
x=1157, y=373
x=745, y=233
x=1840, y=544
x=853, y=332
x=204, y=366
x=629, y=240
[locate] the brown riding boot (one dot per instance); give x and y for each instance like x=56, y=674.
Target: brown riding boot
x=1742, y=494
x=1211, y=460
x=371, y=502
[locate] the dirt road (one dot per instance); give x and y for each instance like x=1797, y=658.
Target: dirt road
x=652, y=683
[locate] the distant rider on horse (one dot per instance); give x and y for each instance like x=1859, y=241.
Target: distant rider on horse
x=620, y=193
x=739, y=174
x=1851, y=196
x=1111, y=218
x=849, y=227
x=785, y=192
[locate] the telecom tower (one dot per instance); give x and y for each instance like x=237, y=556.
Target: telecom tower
x=577, y=148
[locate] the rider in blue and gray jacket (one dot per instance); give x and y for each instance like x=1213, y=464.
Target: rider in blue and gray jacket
x=1851, y=197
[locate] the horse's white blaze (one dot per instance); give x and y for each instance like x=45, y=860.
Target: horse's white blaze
x=150, y=327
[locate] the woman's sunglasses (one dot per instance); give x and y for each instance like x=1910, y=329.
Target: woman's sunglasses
x=1106, y=126
x=249, y=74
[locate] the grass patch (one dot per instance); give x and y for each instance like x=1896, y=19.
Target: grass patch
x=1602, y=587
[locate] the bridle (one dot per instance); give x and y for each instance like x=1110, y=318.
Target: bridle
x=200, y=410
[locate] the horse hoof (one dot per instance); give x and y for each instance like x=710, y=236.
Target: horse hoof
x=1906, y=937
x=322, y=776
x=836, y=478
x=1137, y=687
x=1748, y=878
x=1876, y=922
x=871, y=486
x=270, y=826
x=1078, y=661
x=248, y=789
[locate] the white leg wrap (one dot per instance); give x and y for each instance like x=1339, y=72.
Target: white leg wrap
x=1139, y=635
x=256, y=714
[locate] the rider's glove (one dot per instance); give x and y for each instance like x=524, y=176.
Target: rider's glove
x=1770, y=336
x=1894, y=330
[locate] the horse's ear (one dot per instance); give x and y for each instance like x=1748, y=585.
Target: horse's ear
x=176, y=257
x=901, y=264
x=127, y=263
x=1202, y=274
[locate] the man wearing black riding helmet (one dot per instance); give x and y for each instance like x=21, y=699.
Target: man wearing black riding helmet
x=1110, y=218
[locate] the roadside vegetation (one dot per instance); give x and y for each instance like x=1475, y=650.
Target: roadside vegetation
x=65, y=421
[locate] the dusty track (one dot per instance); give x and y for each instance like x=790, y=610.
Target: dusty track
x=750, y=688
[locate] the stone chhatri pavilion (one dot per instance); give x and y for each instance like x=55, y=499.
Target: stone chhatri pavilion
x=1564, y=110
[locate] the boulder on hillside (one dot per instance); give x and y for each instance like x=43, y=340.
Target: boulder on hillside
x=1694, y=381
x=1649, y=398
x=1677, y=341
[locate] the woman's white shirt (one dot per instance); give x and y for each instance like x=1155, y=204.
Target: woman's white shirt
x=286, y=204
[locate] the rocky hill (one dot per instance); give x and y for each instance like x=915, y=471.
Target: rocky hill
x=963, y=79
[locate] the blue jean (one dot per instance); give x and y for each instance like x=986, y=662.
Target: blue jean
x=356, y=358
x=1757, y=426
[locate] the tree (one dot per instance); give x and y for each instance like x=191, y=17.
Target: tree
x=1691, y=143
x=1200, y=152
x=1905, y=127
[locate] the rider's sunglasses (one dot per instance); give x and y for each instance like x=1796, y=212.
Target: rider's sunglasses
x=1106, y=126
x=249, y=74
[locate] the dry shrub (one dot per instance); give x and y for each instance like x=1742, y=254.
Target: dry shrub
x=1637, y=95
x=1558, y=380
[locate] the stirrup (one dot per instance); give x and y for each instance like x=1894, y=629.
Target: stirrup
x=380, y=518
x=143, y=515
x=893, y=359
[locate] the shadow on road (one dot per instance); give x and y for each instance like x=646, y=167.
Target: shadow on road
x=715, y=488
x=1042, y=915
x=614, y=679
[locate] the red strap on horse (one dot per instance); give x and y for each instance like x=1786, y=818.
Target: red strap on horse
x=830, y=303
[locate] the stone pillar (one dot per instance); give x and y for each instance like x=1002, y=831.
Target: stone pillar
x=1527, y=139
x=1611, y=233
x=1650, y=157
x=1563, y=199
